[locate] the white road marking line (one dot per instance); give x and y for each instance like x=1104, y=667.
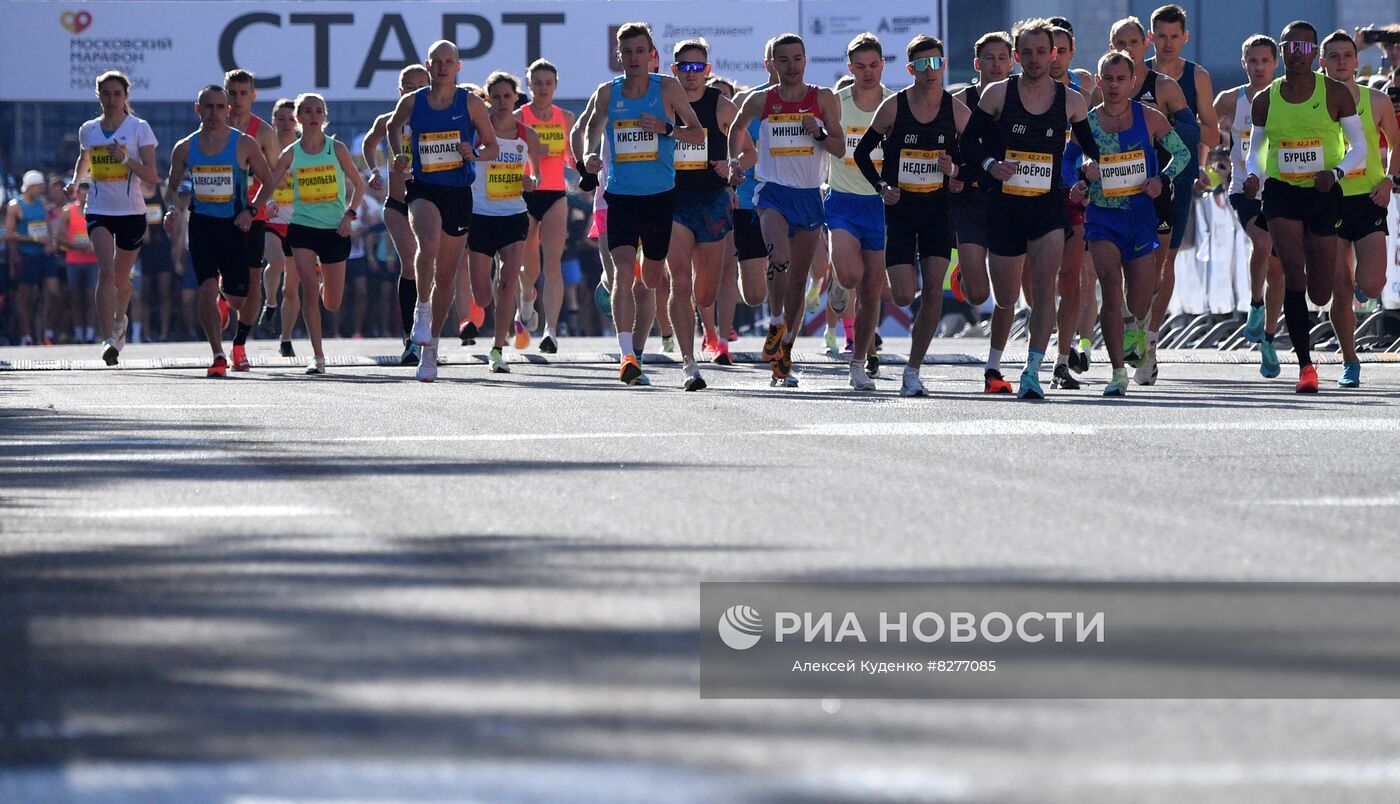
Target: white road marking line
x=115, y=442
x=968, y=427
x=118, y=407
x=203, y=511
x=1364, y=773
x=1332, y=502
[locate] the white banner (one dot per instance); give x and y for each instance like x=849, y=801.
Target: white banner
x=354, y=50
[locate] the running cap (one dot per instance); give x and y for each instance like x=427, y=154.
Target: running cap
x=32, y=179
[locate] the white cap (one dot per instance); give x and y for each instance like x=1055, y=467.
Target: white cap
x=31, y=179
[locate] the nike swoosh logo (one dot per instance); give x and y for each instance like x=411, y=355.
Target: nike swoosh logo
x=459, y=117
x=1140, y=246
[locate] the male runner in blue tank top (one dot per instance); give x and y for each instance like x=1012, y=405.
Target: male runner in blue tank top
x=637, y=107
x=451, y=130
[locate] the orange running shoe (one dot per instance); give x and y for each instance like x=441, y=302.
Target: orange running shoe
x=722, y=357
x=994, y=383
x=1307, y=380
x=219, y=368
x=522, y=336
x=476, y=314
x=772, y=344
x=631, y=370
x=711, y=345
x=240, y=359
x=223, y=312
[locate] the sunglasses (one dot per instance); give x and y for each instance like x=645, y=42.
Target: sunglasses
x=691, y=66
x=1299, y=47
x=927, y=63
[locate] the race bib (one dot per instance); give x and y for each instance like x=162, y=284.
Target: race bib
x=1034, y=175
x=406, y=145
x=285, y=193
x=1123, y=174
x=632, y=143
x=82, y=243
x=318, y=183
x=213, y=184
x=504, y=180
x=39, y=231
x=153, y=214
x=106, y=167
x=853, y=135
x=693, y=157
x=918, y=171
x=552, y=137
x=786, y=137
x=437, y=151
x=1298, y=160
x=1244, y=142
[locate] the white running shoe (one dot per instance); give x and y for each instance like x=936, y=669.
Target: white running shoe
x=317, y=365
x=912, y=386
x=428, y=363
x=837, y=298
x=423, y=323
x=1146, y=374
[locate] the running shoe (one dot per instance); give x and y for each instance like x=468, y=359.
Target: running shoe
x=912, y=386
x=602, y=299
x=427, y=364
x=1118, y=386
x=1361, y=297
x=531, y=319
x=1078, y=361
x=709, y=346
x=240, y=358
x=872, y=366
x=1307, y=380
x=859, y=381
x=1147, y=372
x=548, y=345
x=411, y=352
x=219, y=368
x=837, y=298
x=850, y=347
x=733, y=335
x=645, y=379
x=1086, y=354
x=468, y=332
x=222, y=304
x=109, y=352
x=994, y=383
x=782, y=367
x=668, y=344
x=773, y=342
x=317, y=365
x=814, y=297
x=1254, y=324
x=1062, y=378
x=423, y=323
x=286, y=350
x=790, y=381
x=694, y=382
x=722, y=357
x=830, y=339
x=267, y=322
x=1268, y=360
x=498, y=362
x=476, y=313
x=1030, y=386
x=1351, y=375
x=1134, y=346
x=631, y=370
x=522, y=336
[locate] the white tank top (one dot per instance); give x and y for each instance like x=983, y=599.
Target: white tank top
x=787, y=155
x=496, y=188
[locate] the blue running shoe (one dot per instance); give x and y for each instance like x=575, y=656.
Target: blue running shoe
x=602, y=298
x=1361, y=298
x=1254, y=325
x=1351, y=375
x=1030, y=386
x=1268, y=360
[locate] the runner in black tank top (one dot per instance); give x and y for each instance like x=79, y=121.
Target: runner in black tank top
x=920, y=155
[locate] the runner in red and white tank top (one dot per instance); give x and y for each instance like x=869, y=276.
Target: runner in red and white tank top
x=239, y=84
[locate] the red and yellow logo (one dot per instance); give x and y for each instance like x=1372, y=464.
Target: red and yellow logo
x=75, y=22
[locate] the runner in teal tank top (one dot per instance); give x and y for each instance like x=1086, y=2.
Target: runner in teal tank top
x=328, y=190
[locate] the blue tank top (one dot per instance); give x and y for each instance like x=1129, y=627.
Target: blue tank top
x=1188, y=88
x=639, y=162
x=220, y=184
x=746, y=190
x=1120, y=155
x=436, y=133
x=31, y=213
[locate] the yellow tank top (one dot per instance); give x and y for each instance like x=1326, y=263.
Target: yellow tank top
x=843, y=175
x=1303, y=137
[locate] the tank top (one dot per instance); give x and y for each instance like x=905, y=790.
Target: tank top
x=496, y=192
x=155, y=220
x=437, y=132
x=1188, y=89
x=745, y=190
x=1239, y=139
x=640, y=162
x=787, y=154
x=842, y=174
x=255, y=125
x=285, y=196
x=319, y=196
x=555, y=140
x=219, y=181
x=912, y=148
x=1036, y=141
x=34, y=224
x=1127, y=159
x=973, y=175
x=1303, y=137
x=1361, y=180
x=78, y=233
x=694, y=170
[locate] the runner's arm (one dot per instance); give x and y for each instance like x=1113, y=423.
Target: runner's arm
x=835, y=142
x=880, y=125
x=369, y=146
x=356, y=190
x=1163, y=132
x=393, y=129
x=488, y=148
x=1259, y=120
x=979, y=125
x=1077, y=109
x=1343, y=107
x=741, y=146
x=80, y=168
x=689, y=131
x=1209, y=121
x=144, y=166
x=178, y=155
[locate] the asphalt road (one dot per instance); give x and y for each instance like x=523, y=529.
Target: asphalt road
x=363, y=588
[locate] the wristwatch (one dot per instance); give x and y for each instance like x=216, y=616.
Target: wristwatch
x=253, y=209
x=882, y=186
x=821, y=135
x=669, y=129
x=1339, y=173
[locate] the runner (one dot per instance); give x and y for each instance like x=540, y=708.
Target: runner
x=411, y=79
x=323, y=214
x=793, y=144
x=855, y=212
x=1365, y=203
x=969, y=197
x=241, y=93
x=1025, y=161
x=158, y=261
x=544, y=247
x=1072, y=275
x=1315, y=137
x=701, y=217
x=118, y=151
x=718, y=323
x=32, y=250
x=219, y=159
x=1259, y=55
x=641, y=171
x=452, y=129
x=500, y=220
x=276, y=277
x=1120, y=225
x=80, y=262
x=920, y=126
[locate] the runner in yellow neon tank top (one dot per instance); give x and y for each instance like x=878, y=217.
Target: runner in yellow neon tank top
x=1304, y=115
